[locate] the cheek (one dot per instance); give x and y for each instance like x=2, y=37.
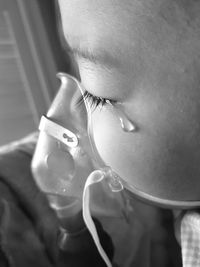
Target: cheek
x=161, y=158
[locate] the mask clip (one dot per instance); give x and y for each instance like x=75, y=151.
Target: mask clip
x=57, y=131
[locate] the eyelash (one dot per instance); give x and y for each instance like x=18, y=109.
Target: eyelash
x=94, y=101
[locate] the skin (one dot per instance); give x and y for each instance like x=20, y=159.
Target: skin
x=147, y=57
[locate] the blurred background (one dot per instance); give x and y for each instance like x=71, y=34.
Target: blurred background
x=30, y=56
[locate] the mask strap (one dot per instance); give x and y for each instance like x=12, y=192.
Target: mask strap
x=95, y=177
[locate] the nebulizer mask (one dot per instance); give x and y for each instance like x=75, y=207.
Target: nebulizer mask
x=61, y=162
x=64, y=164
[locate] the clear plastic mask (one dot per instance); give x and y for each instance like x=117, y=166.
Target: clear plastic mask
x=64, y=164
x=62, y=160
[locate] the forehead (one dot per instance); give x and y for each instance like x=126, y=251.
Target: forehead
x=92, y=23
x=125, y=23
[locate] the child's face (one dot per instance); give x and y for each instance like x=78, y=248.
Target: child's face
x=146, y=54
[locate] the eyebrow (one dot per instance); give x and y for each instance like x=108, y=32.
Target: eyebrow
x=102, y=57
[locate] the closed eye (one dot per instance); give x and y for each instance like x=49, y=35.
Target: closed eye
x=94, y=101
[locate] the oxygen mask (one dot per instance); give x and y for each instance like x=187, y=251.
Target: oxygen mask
x=62, y=160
